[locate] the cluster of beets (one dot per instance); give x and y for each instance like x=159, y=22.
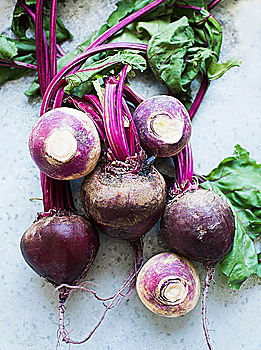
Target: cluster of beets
x=113, y=141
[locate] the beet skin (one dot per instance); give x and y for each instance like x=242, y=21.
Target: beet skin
x=60, y=248
x=124, y=205
x=200, y=225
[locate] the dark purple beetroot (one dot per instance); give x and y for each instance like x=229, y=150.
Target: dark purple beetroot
x=199, y=225
x=124, y=205
x=163, y=124
x=60, y=248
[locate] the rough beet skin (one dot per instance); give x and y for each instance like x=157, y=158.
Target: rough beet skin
x=200, y=225
x=125, y=205
x=60, y=248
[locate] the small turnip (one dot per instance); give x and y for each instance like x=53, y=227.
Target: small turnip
x=64, y=143
x=163, y=124
x=168, y=285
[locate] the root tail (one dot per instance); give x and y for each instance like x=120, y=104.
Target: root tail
x=209, y=276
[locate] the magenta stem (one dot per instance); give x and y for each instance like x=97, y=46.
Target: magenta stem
x=119, y=112
x=87, y=108
x=56, y=81
x=27, y=9
x=213, y=4
x=60, y=51
x=196, y=8
x=56, y=194
x=132, y=95
x=42, y=56
x=95, y=102
x=133, y=133
x=125, y=22
x=17, y=64
x=110, y=121
x=53, y=50
x=199, y=97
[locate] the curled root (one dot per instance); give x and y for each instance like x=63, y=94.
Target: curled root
x=209, y=277
x=125, y=290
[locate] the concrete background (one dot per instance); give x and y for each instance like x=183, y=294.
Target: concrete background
x=230, y=114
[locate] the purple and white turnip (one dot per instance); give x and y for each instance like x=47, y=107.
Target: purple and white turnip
x=65, y=144
x=168, y=285
x=163, y=124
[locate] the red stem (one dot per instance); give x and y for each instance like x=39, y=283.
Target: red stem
x=56, y=81
x=213, y=4
x=199, y=97
x=133, y=133
x=56, y=194
x=110, y=121
x=17, y=64
x=95, y=102
x=53, y=49
x=87, y=108
x=125, y=22
x=120, y=121
x=61, y=52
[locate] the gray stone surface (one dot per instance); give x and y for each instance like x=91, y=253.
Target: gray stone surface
x=230, y=114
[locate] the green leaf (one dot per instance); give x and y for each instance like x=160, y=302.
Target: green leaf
x=102, y=68
x=238, y=179
x=12, y=73
x=62, y=33
x=241, y=262
x=216, y=70
x=127, y=7
x=21, y=21
x=167, y=53
x=124, y=8
x=148, y=29
x=30, y=2
x=7, y=49
x=33, y=90
x=24, y=45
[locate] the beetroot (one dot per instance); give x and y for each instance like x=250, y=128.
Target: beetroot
x=163, y=124
x=124, y=204
x=168, y=285
x=65, y=144
x=200, y=225
x=60, y=248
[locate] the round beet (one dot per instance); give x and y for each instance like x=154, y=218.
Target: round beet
x=200, y=225
x=124, y=205
x=65, y=144
x=163, y=124
x=168, y=285
x=60, y=248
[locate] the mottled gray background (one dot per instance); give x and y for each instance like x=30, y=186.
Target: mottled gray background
x=230, y=114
